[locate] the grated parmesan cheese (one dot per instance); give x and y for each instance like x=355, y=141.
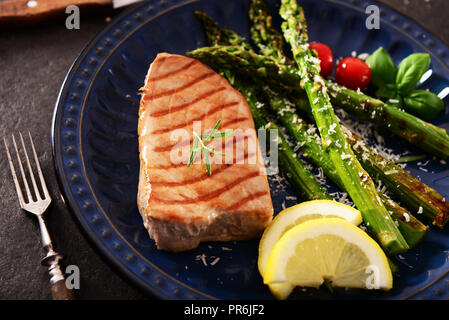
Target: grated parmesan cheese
x=202, y=258
x=407, y=217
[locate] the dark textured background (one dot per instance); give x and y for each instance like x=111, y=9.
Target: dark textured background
x=33, y=64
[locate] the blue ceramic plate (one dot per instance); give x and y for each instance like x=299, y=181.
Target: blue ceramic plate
x=96, y=148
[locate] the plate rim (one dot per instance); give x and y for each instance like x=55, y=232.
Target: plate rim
x=63, y=95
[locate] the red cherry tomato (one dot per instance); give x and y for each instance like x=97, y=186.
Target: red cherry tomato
x=326, y=57
x=353, y=73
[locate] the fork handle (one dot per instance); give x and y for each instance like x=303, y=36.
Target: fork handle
x=59, y=291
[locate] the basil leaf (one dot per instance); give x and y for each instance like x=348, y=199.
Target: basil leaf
x=387, y=91
x=410, y=70
x=383, y=69
x=424, y=104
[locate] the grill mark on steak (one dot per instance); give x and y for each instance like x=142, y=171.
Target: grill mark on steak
x=202, y=117
x=188, y=142
x=184, y=87
x=177, y=165
x=211, y=195
x=243, y=201
x=174, y=72
x=225, y=145
x=181, y=225
x=188, y=104
x=202, y=177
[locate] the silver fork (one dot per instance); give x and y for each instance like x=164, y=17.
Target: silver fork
x=38, y=205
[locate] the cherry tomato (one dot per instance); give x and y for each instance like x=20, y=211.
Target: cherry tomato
x=353, y=73
x=326, y=57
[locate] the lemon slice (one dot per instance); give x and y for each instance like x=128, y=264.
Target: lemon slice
x=328, y=249
x=293, y=216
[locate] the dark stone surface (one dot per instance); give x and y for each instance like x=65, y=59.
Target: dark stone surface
x=33, y=64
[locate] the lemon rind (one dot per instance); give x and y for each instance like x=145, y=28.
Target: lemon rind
x=285, y=248
x=273, y=233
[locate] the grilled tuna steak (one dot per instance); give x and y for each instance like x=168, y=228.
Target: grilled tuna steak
x=180, y=205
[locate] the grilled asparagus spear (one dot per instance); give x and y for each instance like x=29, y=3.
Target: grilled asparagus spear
x=410, y=227
x=216, y=35
x=428, y=137
x=407, y=188
x=414, y=193
x=264, y=34
x=247, y=63
x=304, y=134
x=301, y=179
x=356, y=181
x=424, y=135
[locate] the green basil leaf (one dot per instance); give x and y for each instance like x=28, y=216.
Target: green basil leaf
x=387, y=91
x=383, y=69
x=424, y=104
x=410, y=71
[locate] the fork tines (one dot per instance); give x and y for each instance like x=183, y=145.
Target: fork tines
x=29, y=195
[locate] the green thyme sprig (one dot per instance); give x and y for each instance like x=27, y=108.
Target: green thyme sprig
x=199, y=145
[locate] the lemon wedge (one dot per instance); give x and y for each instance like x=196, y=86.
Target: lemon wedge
x=328, y=249
x=293, y=216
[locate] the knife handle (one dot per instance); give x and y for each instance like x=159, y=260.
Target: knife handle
x=28, y=12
